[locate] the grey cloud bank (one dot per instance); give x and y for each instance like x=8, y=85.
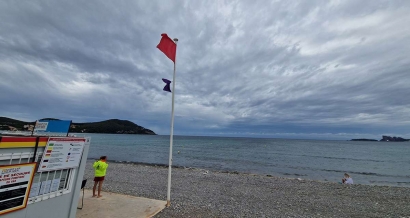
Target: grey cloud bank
x=298, y=69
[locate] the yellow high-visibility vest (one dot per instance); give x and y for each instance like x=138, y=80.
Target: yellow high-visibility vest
x=100, y=168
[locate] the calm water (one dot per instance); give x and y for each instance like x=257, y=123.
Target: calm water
x=378, y=163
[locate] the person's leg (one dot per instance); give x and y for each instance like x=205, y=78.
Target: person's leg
x=95, y=186
x=99, y=188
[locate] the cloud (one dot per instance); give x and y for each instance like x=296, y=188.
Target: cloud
x=276, y=69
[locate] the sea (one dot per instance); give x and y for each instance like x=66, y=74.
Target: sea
x=371, y=163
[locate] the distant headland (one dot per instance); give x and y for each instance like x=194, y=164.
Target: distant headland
x=385, y=139
x=114, y=126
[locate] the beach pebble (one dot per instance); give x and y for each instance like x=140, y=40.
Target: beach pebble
x=235, y=194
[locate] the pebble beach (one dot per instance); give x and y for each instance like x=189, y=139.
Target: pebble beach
x=204, y=193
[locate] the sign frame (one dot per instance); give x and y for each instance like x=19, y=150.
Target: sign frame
x=32, y=171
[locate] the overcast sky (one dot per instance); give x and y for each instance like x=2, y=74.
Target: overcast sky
x=282, y=69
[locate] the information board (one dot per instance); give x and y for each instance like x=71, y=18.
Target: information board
x=62, y=153
x=52, y=126
x=15, y=182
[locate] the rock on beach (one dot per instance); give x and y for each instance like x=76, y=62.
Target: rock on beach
x=205, y=193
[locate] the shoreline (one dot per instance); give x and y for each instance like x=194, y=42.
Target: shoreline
x=205, y=193
x=285, y=176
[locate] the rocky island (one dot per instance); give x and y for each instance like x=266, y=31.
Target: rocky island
x=393, y=139
x=366, y=140
x=384, y=139
x=114, y=126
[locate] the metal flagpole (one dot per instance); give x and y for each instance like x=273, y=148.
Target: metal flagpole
x=171, y=136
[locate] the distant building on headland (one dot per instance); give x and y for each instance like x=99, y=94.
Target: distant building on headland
x=28, y=127
x=8, y=128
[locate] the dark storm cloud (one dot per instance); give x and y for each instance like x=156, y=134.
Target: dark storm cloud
x=309, y=69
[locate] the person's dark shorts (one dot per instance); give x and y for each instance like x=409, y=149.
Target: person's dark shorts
x=97, y=179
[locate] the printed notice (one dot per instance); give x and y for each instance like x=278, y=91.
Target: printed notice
x=54, y=185
x=41, y=126
x=62, y=153
x=15, y=182
x=45, y=187
x=35, y=189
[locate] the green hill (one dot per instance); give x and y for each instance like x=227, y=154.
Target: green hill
x=111, y=126
x=6, y=123
x=108, y=126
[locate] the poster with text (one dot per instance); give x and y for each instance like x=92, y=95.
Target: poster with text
x=62, y=153
x=55, y=184
x=45, y=187
x=15, y=182
x=35, y=189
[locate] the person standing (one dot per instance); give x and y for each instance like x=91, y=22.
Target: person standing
x=100, y=168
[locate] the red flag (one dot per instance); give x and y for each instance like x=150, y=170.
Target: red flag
x=168, y=47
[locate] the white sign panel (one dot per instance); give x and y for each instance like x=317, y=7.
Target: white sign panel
x=41, y=126
x=62, y=153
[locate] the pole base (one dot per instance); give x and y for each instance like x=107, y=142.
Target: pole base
x=168, y=203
